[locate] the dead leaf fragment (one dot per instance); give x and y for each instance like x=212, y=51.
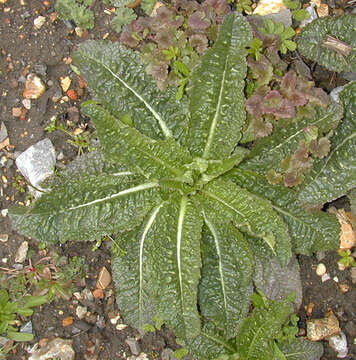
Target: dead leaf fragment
x=65, y=83
x=104, y=279
x=347, y=234
x=98, y=294
x=21, y=252
x=67, y=321
x=322, y=10
x=266, y=7
x=319, y=329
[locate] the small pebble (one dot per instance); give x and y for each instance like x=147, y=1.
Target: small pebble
x=21, y=252
x=39, y=22
x=325, y=277
x=344, y=288
x=26, y=103
x=81, y=311
x=321, y=269
x=121, y=327
x=65, y=83
x=67, y=321
x=16, y=111
x=4, y=238
x=336, y=279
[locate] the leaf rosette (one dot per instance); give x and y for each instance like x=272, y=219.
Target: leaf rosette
x=169, y=184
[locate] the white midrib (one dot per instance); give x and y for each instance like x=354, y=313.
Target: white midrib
x=213, y=231
x=113, y=196
x=182, y=211
x=215, y=119
x=167, y=133
x=142, y=242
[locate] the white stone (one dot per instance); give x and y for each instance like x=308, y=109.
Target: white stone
x=26, y=104
x=39, y=22
x=312, y=14
x=339, y=344
x=81, y=311
x=37, y=163
x=320, y=269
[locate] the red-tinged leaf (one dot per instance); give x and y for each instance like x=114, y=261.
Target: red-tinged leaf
x=274, y=103
x=140, y=24
x=254, y=105
x=293, y=178
x=128, y=40
x=164, y=14
x=164, y=38
x=198, y=21
x=220, y=7
x=199, y=41
x=262, y=70
x=261, y=127
x=320, y=148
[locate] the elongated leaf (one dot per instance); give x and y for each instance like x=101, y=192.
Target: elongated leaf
x=217, y=101
x=154, y=159
x=248, y=212
x=334, y=175
x=19, y=336
x=255, y=338
x=162, y=265
x=314, y=44
x=352, y=197
x=118, y=80
x=270, y=151
x=226, y=286
x=309, y=231
x=88, y=207
x=301, y=349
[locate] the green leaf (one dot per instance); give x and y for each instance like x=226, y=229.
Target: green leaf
x=32, y=301
x=332, y=176
x=25, y=312
x=352, y=198
x=19, y=336
x=248, y=212
x=300, y=15
x=291, y=45
x=4, y=297
x=217, y=99
x=219, y=167
x=71, y=10
x=255, y=338
x=301, y=349
x=290, y=4
x=269, y=152
x=314, y=44
x=162, y=265
x=160, y=159
x=123, y=16
x=310, y=232
x=225, y=286
x=147, y=6
x=87, y=208
x=287, y=33
x=119, y=82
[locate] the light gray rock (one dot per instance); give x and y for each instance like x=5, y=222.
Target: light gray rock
x=339, y=344
x=284, y=16
x=27, y=328
x=133, y=345
x=37, y=163
x=57, y=348
x=3, y=132
x=312, y=14
x=21, y=252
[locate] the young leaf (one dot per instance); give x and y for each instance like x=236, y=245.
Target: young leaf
x=118, y=80
x=225, y=287
x=310, y=232
x=248, y=212
x=217, y=104
x=255, y=338
x=147, y=6
x=336, y=56
x=71, y=10
x=123, y=16
x=19, y=336
x=332, y=176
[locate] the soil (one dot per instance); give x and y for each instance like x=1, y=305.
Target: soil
x=46, y=51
